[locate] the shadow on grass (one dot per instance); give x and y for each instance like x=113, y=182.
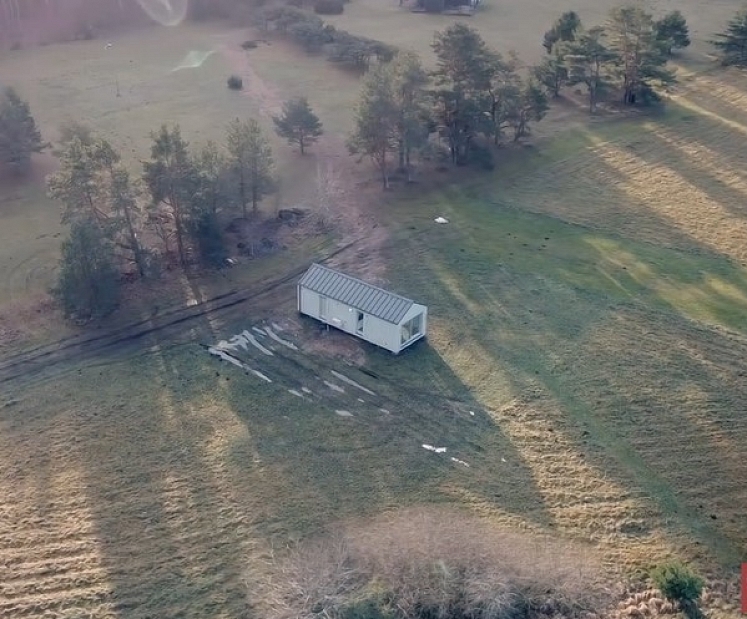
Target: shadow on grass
x=529, y=291
x=349, y=450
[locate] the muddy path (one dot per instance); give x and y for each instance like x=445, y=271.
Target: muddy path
x=44, y=361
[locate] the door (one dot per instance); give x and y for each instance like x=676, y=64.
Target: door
x=322, y=307
x=359, y=324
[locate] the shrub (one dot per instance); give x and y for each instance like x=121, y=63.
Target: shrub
x=249, y=44
x=235, y=82
x=329, y=7
x=430, y=564
x=677, y=582
x=480, y=156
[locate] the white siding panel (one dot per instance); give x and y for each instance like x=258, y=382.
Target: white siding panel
x=309, y=303
x=343, y=317
x=381, y=333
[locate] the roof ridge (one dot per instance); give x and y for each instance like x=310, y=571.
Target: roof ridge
x=355, y=292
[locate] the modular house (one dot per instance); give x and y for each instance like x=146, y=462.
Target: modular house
x=368, y=312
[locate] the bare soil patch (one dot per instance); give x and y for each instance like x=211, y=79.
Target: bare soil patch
x=344, y=197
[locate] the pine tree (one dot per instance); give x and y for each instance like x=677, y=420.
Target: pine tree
x=298, y=124
x=732, y=43
x=88, y=285
x=672, y=31
x=639, y=57
x=588, y=60
x=465, y=67
x=376, y=120
x=19, y=136
x=250, y=161
x=170, y=178
x=409, y=79
x=563, y=30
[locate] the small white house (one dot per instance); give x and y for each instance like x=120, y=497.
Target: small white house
x=368, y=312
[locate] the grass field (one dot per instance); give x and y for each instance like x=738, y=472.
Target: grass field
x=516, y=26
x=586, y=356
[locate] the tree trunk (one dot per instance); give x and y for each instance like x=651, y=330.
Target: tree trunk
x=135, y=243
x=255, y=197
x=384, y=173
x=242, y=192
x=179, y=234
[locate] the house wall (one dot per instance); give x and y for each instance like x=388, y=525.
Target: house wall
x=414, y=311
x=344, y=317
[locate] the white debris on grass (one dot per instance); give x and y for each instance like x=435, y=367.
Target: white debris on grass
x=438, y=450
x=218, y=352
x=441, y=220
x=193, y=60
x=225, y=356
x=277, y=327
x=334, y=387
x=472, y=413
x=258, y=330
x=458, y=461
x=385, y=411
x=253, y=341
x=361, y=400
x=503, y=459
x=296, y=393
x=305, y=389
x=239, y=340
x=259, y=374
x=344, y=413
x=351, y=382
x=280, y=340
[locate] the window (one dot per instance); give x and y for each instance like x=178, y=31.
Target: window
x=412, y=328
x=359, y=324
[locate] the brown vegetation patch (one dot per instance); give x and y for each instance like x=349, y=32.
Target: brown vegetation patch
x=320, y=339
x=431, y=562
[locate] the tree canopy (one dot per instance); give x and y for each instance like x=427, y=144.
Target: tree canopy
x=250, y=161
x=88, y=285
x=19, y=136
x=564, y=29
x=672, y=31
x=732, y=43
x=298, y=124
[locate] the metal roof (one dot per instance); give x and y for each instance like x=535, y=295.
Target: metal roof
x=356, y=293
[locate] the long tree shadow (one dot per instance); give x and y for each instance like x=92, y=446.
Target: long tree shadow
x=346, y=449
x=547, y=321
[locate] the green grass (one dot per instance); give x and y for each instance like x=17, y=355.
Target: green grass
x=504, y=25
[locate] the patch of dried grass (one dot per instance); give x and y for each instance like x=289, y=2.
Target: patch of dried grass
x=434, y=564
x=20, y=320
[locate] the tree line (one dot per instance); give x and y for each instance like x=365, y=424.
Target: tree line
x=120, y=224
x=626, y=55
x=473, y=98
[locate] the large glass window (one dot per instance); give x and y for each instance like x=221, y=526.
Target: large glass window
x=412, y=328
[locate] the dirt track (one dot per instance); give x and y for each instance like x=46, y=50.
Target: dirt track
x=43, y=360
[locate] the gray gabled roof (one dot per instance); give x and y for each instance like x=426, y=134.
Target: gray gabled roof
x=356, y=293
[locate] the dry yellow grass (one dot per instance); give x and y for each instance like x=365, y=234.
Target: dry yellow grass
x=610, y=412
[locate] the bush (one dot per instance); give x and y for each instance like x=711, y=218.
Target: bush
x=329, y=7
x=430, y=564
x=481, y=157
x=249, y=44
x=205, y=230
x=677, y=582
x=235, y=82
